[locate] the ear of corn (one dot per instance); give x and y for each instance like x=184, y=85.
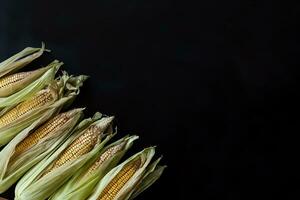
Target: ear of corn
x=46, y=78
x=117, y=184
x=105, y=156
x=122, y=180
x=25, y=113
x=84, y=181
x=82, y=145
x=31, y=146
x=20, y=59
x=51, y=173
x=15, y=82
x=42, y=98
x=51, y=128
x=51, y=99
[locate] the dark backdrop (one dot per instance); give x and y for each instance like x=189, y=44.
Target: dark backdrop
x=213, y=85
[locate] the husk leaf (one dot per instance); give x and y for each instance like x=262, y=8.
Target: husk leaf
x=20, y=59
x=153, y=173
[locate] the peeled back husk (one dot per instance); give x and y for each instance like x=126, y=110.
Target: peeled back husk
x=62, y=87
x=43, y=180
x=154, y=172
x=115, y=186
x=81, y=185
x=14, y=166
x=20, y=59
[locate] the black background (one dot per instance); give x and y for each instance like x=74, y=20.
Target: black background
x=213, y=85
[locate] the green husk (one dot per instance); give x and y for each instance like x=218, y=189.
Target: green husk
x=33, y=87
x=66, y=93
x=20, y=59
x=13, y=168
x=35, y=186
x=154, y=172
x=131, y=186
x=81, y=185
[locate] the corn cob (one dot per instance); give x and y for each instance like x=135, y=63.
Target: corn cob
x=45, y=130
x=82, y=145
x=130, y=178
x=8, y=80
x=42, y=98
x=117, y=183
x=105, y=156
x=15, y=82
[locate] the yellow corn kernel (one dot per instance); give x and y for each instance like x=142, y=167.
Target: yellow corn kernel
x=105, y=156
x=45, y=130
x=11, y=79
x=82, y=145
x=40, y=99
x=117, y=183
x=15, y=82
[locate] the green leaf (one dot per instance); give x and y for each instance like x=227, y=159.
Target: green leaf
x=148, y=180
x=20, y=59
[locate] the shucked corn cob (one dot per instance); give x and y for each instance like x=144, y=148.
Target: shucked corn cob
x=129, y=178
x=51, y=173
x=30, y=146
x=84, y=181
x=42, y=98
x=15, y=82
